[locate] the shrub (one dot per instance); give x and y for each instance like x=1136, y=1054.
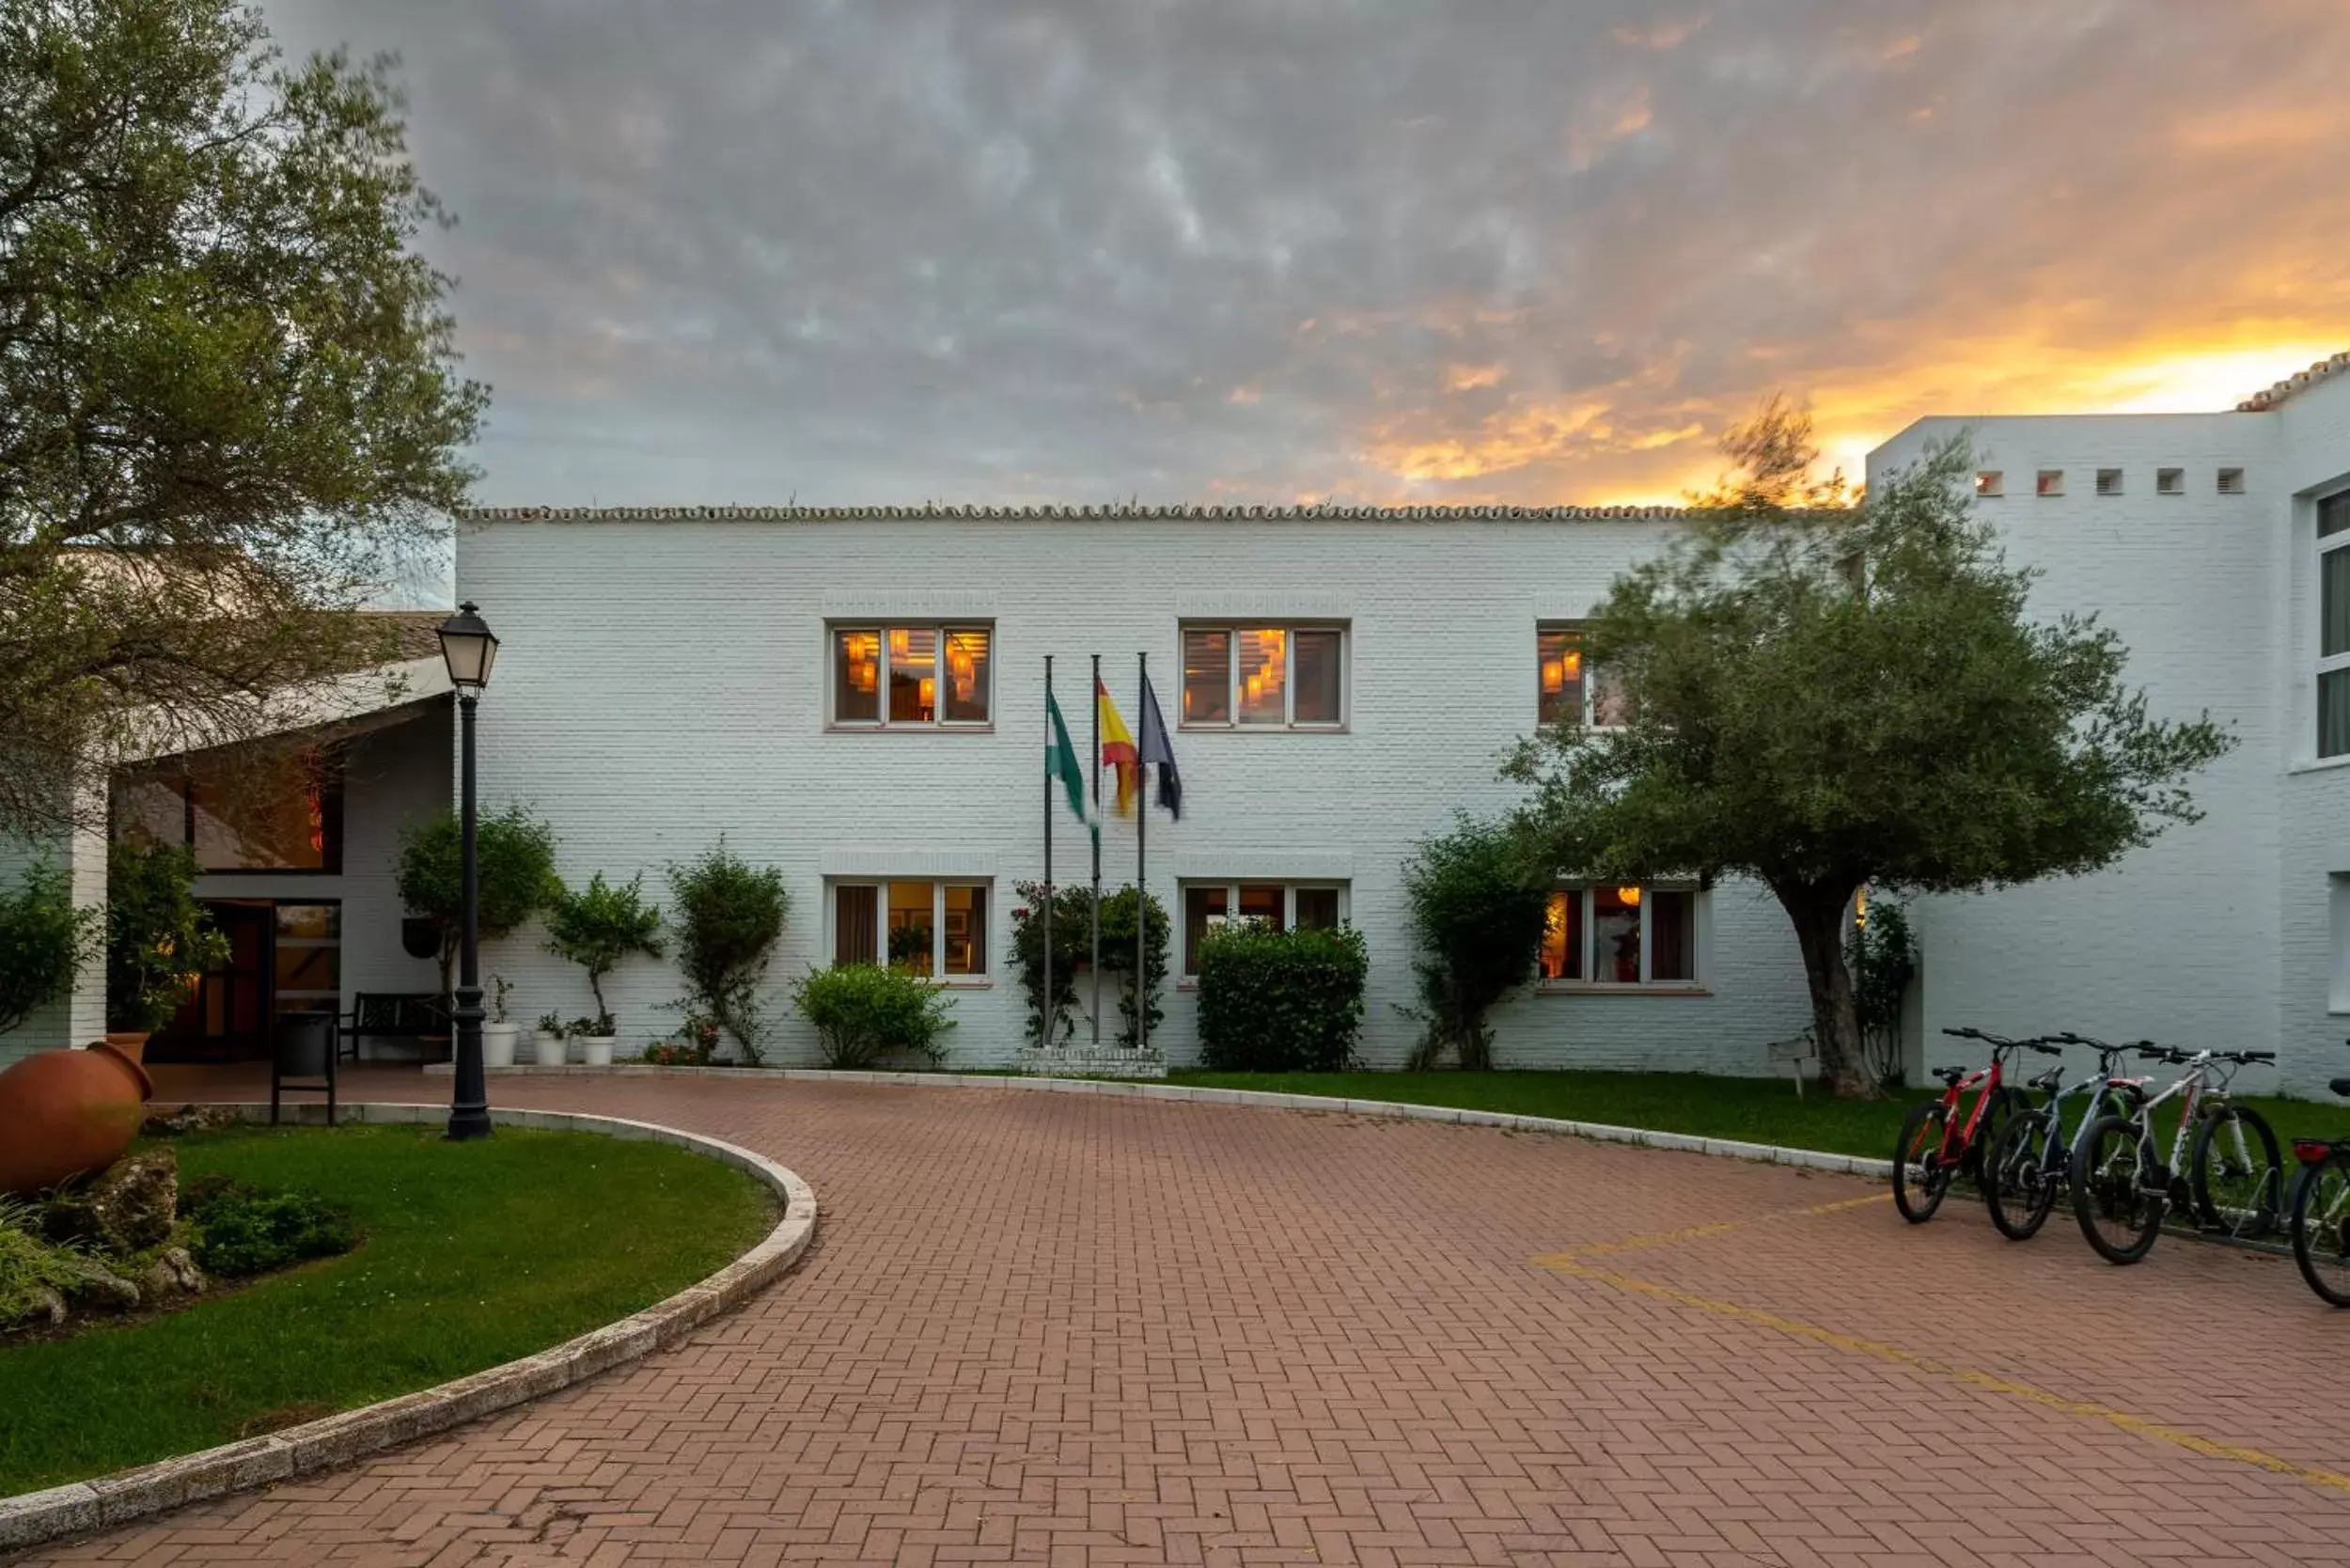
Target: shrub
x=1280, y=1001
x=44, y=941
x=1477, y=912
x=30, y=1266
x=862, y=1012
x=514, y=856
x=695, y=1045
x=157, y=937
x=240, y=1229
x=600, y=925
x=728, y=916
x=1882, y=956
x=1073, y=945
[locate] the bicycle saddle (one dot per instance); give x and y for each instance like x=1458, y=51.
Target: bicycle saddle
x=2049, y=1080
x=1953, y=1074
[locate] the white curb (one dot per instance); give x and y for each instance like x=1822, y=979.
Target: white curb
x=82, y=1506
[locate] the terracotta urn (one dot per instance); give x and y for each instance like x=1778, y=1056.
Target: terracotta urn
x=130, y=1042
x=65, y=1112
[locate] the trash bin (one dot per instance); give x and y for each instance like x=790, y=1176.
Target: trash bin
x=305, y=1044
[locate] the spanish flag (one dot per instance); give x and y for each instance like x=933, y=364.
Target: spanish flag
x=1117, y=747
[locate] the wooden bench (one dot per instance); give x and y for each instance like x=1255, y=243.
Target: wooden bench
x=394, y=1015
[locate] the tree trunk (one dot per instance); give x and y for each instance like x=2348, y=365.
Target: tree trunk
x=1818, y=914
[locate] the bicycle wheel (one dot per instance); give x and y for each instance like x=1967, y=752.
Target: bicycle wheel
x=1920, y=1177
x=2237, y=1180
x=2018, y=1188
x=2321, y=1227
x=2117, y=1216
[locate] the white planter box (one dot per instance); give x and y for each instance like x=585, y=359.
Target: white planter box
x=497, y=1044
x=550, y=1050
x=596, y=1049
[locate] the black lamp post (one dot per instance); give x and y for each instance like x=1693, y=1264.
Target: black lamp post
x=470, y=649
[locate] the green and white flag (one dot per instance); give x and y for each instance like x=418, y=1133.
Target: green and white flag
x=1060, y=762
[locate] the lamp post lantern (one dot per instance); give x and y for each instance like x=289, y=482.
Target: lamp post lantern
x=469, y=648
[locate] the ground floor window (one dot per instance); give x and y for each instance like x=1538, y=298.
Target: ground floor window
x=1621, y=936
x=923, y=927
x=1283, y=905
x=306, y=958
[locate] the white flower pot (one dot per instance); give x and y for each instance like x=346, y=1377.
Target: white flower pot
x=497, y=1044
x=550, y=1049
x=596, y=1050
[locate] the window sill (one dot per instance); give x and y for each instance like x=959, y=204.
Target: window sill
x=2319, y=765
x=1591, y=988
x=988, y=729
x=1264, y=728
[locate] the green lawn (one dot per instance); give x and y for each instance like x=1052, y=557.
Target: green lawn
x=474, y=1254
x=1758, y=1111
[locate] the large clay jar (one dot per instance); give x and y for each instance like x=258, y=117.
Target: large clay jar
x=65, y=1112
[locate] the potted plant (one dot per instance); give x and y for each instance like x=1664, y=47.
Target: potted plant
x=596, y=927
x=498, y=1034
x=159, y=940
x=549, y=1040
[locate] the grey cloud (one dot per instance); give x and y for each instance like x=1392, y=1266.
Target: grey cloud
x=734, y=251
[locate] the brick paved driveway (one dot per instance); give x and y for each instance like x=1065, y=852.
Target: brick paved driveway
x=1041, y=1328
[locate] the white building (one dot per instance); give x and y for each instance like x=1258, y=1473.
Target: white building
x=856, y=696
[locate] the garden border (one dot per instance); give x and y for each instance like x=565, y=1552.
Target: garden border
x=79, y=1507
x=1766, y=1154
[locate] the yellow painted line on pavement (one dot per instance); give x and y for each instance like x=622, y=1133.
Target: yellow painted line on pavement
x=1571, y=1263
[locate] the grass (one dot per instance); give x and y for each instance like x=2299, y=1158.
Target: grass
x=474, y=1254
x=1757, y=1110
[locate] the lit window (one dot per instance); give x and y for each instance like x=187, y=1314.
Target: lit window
x=2232, y=481
x=2108, y=482
x=2052, y=481
x=928, y=928
x=2169, y=481
x=1621, y=936
x=1990, y=483
x=278, y=810
x=932, y=675
x=1209, y=906
x=1568, y=688
x=1264, y=677
x=2333, y=625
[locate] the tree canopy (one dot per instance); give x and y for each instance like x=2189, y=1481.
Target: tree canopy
x=1826, y=696
x=228, y=399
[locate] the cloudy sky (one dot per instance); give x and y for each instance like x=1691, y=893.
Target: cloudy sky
x=743, y=250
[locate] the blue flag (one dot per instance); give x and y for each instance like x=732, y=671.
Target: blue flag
x=1155, y=749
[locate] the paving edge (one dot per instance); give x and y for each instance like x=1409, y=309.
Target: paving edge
x=83, y=1506
x=1766, y=1154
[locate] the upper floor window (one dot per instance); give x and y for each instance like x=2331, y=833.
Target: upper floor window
x=1621, y=936
x=1209, y=906
x=899, y=674
x=1569, y=689
x=1264, y=677
x=270, y=811
x=924, y=927
x=2333, y=625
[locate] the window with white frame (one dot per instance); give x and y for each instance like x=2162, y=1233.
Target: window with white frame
x=896, y=674
x=924, y=927
x=1569, y=689
x=1264, y=677
x=2333, y=625
x=1628, y=936
x=1210, y=906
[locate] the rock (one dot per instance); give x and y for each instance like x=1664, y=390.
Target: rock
x=52, y=1306
x=136, y=1202
x=97, y=1286
x=172, y=1273
x=188, y=1119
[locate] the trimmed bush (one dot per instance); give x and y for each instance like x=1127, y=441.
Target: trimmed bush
x=862, y=1012
x=729, y=916
x=240, y=1230
x=1477, y=912
x=598, y=926
x=514, y=856
x=1280, y=1001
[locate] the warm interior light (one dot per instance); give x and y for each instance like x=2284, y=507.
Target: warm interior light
x=901, y=642
x=1554, y=676
x=1629, y=896
x=929, y=688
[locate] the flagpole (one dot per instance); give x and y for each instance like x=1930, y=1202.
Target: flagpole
x=1097, y=853
x=1045, y=1009
x=1142, y=885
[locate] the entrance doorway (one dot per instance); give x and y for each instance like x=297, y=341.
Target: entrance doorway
x=285, y=955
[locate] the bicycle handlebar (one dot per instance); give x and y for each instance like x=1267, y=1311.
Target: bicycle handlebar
x=2000, y=1043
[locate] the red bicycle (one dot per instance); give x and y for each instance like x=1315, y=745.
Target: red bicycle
x=1936, y=1146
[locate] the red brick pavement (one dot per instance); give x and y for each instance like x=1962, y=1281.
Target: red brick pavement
x=1055, y=1329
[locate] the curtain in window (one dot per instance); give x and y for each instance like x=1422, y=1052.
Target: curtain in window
x=854, y=915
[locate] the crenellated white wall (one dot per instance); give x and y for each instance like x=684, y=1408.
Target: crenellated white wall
x=661, y=683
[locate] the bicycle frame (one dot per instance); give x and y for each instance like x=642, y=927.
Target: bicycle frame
x=1955, y=1140
x=2194, y=1090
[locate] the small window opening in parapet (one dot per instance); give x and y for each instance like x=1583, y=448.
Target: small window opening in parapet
x=1990, y=484
x=2052, y=481
x=2108, y=482
x=2169, y=481
x=2232, y=481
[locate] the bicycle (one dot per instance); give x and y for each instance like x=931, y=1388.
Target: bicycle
x=1936, y=1146
x=2122, y=1190
x=2321, y=1212
x=2025, y=1169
